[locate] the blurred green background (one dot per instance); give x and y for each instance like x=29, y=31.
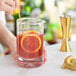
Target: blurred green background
x=48, y=10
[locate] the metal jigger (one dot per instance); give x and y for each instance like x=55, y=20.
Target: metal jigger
x=65, y=25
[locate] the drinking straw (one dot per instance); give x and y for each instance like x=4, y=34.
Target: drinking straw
x=20, y=18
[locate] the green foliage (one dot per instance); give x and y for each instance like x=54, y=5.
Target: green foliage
x=49, y=33
x=49, y=36
x=28, y=6
x=53, y=26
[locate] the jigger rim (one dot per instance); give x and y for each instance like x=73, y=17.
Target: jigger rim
x=65, y=16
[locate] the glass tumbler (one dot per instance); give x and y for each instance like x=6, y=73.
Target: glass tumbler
x=30, y=42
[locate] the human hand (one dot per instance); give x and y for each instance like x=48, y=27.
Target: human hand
x=8, y=5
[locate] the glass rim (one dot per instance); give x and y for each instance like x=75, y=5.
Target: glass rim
x=36, y=20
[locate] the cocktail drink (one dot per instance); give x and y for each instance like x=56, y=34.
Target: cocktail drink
x=30, y=42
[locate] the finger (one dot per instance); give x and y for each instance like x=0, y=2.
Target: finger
x=15, y=3
x=10, y=3
x=6, y=8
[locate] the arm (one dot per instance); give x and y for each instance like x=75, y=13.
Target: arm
x=7, y=38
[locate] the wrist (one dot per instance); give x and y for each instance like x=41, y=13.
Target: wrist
x=11, y=42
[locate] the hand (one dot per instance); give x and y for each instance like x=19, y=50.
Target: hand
x=7, y=5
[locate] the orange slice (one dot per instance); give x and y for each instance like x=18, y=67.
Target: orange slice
x=32, y=32
x=31, y=43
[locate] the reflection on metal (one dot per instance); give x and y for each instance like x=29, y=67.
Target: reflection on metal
x=65, y=25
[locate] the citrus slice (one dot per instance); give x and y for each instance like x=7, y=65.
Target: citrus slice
x=32, y=32
x=31, y=43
